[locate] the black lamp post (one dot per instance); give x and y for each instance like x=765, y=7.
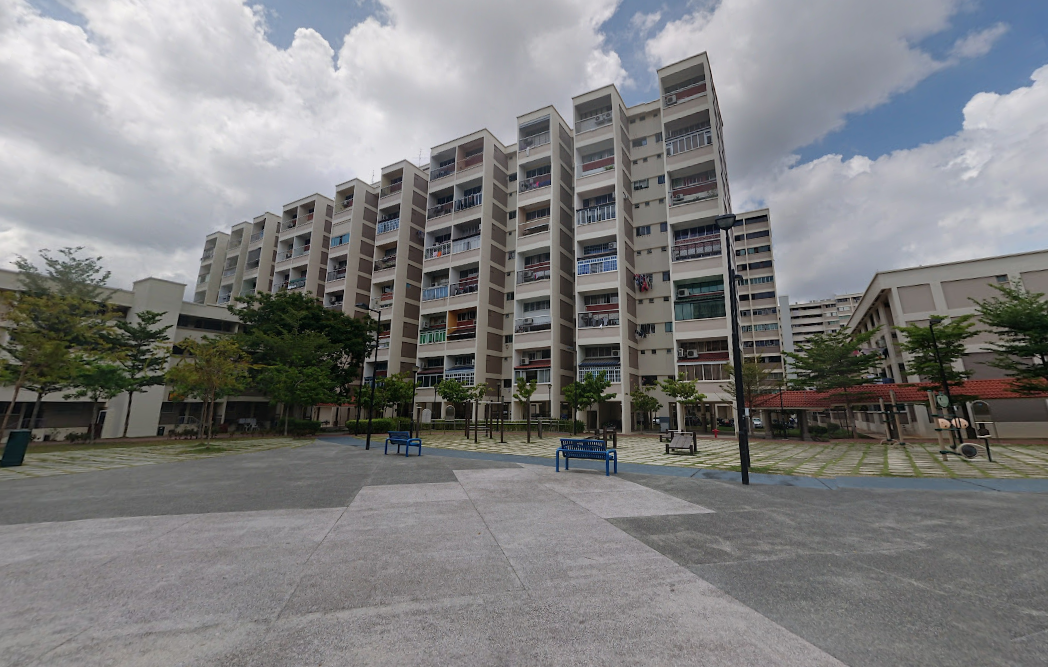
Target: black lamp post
x=371, y=403
x=726, y=222
x=942, y=375
x=414, y=389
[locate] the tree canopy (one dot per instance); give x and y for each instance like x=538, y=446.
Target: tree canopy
x=948, y=348
x=1020, y=320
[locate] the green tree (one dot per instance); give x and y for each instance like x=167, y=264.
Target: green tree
x=644, y=403
x=595, y=384
x=525, y=390
x=476, y=394
x=209, y=369
x=1020, y=320
x=453, y=392
x=141, y=348
x=398, y=390
x=67, y=274
x=296, y=386
x=683, y=391
x=756, y=380
x=100, y=380
x=834, y=363
x=574, y=394
x=925, y=358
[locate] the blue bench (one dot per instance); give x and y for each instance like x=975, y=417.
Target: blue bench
x=582, y=448
x=402, y=439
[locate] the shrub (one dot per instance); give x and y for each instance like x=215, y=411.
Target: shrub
x=379, y=425
x=303, y=427
x=76, y=437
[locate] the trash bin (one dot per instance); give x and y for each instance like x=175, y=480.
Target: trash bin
x=14, y=450
x=160, y=430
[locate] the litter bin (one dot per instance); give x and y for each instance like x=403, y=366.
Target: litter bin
x=14, y=450
x=160, y=430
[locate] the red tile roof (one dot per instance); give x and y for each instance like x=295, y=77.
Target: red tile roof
x=904, y=393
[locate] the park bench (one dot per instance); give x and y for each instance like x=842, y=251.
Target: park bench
x=582, y=448
x=402, y=439
x=681, y=440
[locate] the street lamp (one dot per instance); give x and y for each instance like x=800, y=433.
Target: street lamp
x=414, y=389
x=371, y=403
x=726, y=222
x=942, y=375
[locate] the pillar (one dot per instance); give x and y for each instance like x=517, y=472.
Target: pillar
x=802, y=418
x=766, y=419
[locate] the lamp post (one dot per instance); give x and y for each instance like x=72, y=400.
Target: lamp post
x=371, y=403
x=726, y=222
x=942, y=375
x=414, y=389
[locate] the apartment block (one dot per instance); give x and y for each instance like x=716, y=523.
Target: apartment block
x=302, y=245
x=820, y=316
x=351, y=255
x=210, y=274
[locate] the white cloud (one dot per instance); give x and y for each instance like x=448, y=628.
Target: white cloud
x=159, y=122
x=979, y=43
x=642, y=23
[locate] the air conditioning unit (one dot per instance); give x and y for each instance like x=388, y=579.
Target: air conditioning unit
x=614, y=353
x=527, y=321
x=682, y=293
x=692, y=354
x=611, y=245
x=671, y=99
x=680, y=352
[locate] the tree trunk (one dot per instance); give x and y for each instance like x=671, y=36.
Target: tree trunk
x=36, y=410
x=286, y=419
x=527, y=417
x=476, y=416
x=127, y=413
x=14, y=398
x=94, y=418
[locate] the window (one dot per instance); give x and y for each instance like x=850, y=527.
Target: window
x=644, y=160
x=757, y=281
x=649, y=380
x=766, y=264
x=662, y=200
x=658, y=156
x=636, y=206
x=536, y=306
x=646, y=329
x=637, y=143
x=643, y=352
x=644, y=230
x=665, y=298
x=507, y=383
x=640, y=185
x=537, y=171
x=636, y=162
x=509, y=296
x=665, y=276
x=643, y=117
x=647, y=203
x=536, y=214
x=669, y=327
x=753, y=251
x=512, y=177
x=512, y=215
x=760, y=327
x=1001, y=279
x=658, y=137
x=512, y=254
x=663, y=227
x=662, y=179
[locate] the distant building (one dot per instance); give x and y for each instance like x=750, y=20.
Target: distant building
x=820, y=316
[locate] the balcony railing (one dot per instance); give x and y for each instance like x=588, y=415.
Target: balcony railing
x=442, y=172
x=385, y=298
x=469, y=243
x=295, y=252
x=290, y=224
x=585, y=216
x=540, y=139
x=593, y=122
x=208, y=254
x=346, y=204
x=390, y=190
x=440, y=210
x=468, y=286
x=612, y=373
x=297, y=283
x=533, y=275
x=439, y=250
x=247, y=291
x=695, y=355
x=224, y=298
x=385, y=226
x=691, y=193
x=689, y=142
x=536, y=226
x=467, y=202
x=471, y=161
x=252, y=265
x=594, y=166
x=535, y=323
x=432, y=293
x=599, y=320
x=385, y=263
x=229, y=272
x=336, y=275
x=383, y=344
x=256, y=237
x=535, y=183
x=202, y=279
x=703, y=246
x=233, y=245
x=463, y=333
x=427, y=337
x=463, y=376
x=334, y=304
x=597, y=265
x=681, y=94
x=340, y=240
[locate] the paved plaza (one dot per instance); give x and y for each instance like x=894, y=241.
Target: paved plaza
x=327, y=554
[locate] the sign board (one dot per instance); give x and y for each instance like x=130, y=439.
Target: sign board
x=942, y=400
x=427, y=416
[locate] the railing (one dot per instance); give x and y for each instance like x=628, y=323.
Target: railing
x=438, y=250
x=247, y=292
x=469, y=243
x=386, y=298
x=199, y=300
x=235, y=244
x=342, y=240
x=594, y=166
x=593, y=122
x=297, y=283
x=229, y=272
x=597, y=265
x=535, y=226
x=585, y=216
x=463, y=333
x=383, y=344
x=438, y=292
x=533, y=275
x=255, y=238
x=390, y=189
x=208, y=254
x=463, y=376
x=681, y=94
x=612, y=373
x=427, y=337
x=202, y=279
x=470, y=162
x=467, y=202
x=224, y=298
x=464, y=287
x=385, y=226
x=253, y=264
x=346, y=204
x=690, y=193
x=540, y=139
x=537, y=323
x=541, y=375
x=290, y=224
x=704, y=246
x=385, y=263
x=699, y=310
x=440, y=210
x=599, y=320
x=535, y=182
x=695, y=355
x=689, y=142
x=335, y=304
x=336, y=275
x=295, y=252
x=442, y=172
x=309, y=217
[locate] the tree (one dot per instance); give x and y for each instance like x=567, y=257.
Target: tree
x=141, y=349
x=398, y=390
x=209, y=369
x=756, y=380
x=71, y=276
x=595, y=384
x=1020, y=320
x=683, y=391
x=932, y=361
x=643, y=402
x=453, y=392
x=476, y=394
x=99, y=380
x=290, y=370
x=296, y=386
x=574, y=394
x=834, y=363
x=525, y=390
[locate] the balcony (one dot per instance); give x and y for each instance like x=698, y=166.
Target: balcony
x=297, y=283
x=463, y=375
x=593, y=122
x=694, y=192
x=612, y=372
x=433, y=293
x=439, y=250
x=468, y=286
x=703, y=246
x=334, y=305
x=336, y=275
x=599, y=320
x=586, y=216
x=427, y=337
x=471, y=161
x=383, y=344
x=294, y=252
x=256, y=237
x=347, y=204
x=388, y=225
x=687, y=92
x=536, y=323
x=468, y=243
x=339, y=241
x=535, y=140
x=536, y=226
x=597, y=265
x=224, y=298
x=685, y=356
x=535, y=183
x=594, y=166
x=386, y=263
x=232, y=271
x=233, y=245
x=290, y=224
x=385, y=299
x=701, y=309
x=390, y=190
x=541, y=375
x=208, y=254
x=532, y=275
x=248, y=291
x=463, y=332
x=252, y=265
x=202, y=279
x=689, y=142
x=439, y=210
x=468, y=202
x=442, y=172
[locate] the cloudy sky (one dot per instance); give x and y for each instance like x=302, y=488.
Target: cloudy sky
x=882, y=133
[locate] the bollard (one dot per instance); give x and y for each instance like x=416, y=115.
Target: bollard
x=715, y=433
x=540, y=428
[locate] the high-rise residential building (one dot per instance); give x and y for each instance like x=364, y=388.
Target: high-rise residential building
x=352, y=247
x=210, y=274
x=302, y=245
x=819, y=316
